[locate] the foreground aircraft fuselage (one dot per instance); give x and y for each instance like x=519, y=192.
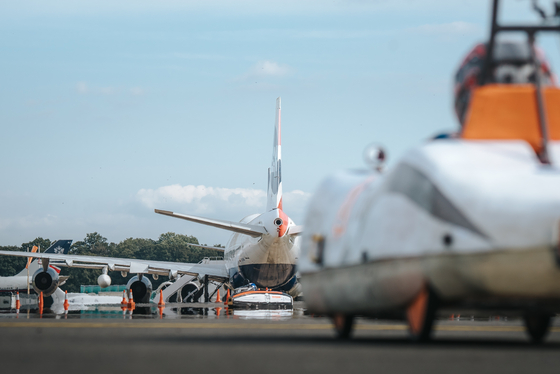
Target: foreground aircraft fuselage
x=470, y=222
x=474, y=224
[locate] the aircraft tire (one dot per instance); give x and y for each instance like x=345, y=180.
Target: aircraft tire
x=343, y=325
x=421, y=314
x=537, y=325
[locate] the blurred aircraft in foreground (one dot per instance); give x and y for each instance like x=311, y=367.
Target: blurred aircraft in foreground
x=461, y=223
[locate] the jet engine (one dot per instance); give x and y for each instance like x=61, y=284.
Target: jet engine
x=141, y=288
x=45, y=281
x=104, y=281
x=190, y=292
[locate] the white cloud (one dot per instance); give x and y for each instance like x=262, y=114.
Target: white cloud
x=204, y=200
x=269, y=68
x=82, y=88
x=266, y=69
x=137, y=91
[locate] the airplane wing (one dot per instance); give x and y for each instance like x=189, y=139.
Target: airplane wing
x=207, y=246
x=242, y=228
x=215, y=269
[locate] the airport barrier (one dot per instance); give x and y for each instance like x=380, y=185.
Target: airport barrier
x=97, y=289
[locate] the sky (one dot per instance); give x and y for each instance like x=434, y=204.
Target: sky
x=111, y=109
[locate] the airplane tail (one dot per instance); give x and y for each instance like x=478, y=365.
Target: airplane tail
x=274, y=194
x=58, y=247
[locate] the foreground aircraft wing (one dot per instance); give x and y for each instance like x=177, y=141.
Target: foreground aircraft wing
x=216, y=269
x=241, y=228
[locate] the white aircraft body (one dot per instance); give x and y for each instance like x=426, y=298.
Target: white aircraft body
x=462, y=223
x=19, y=282
x=263, y=249
x=475, y=223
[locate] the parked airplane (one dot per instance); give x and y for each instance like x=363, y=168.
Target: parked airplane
x=80, y=301
x=263, y=249
x=470, y=222
x=41, y=281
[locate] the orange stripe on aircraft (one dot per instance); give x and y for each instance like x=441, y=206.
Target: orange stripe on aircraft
x=284, y=226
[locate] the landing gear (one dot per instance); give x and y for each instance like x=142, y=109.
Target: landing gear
x=420, y=315
x=537, y=325
x=343, y=325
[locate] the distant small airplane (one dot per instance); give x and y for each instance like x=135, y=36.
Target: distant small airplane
x=79, y=301
x=47, y=282
x=262, y=250
x=466, y=223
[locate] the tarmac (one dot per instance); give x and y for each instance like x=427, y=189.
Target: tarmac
x=212, y=341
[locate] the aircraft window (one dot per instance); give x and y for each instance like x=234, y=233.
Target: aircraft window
x=417, y=187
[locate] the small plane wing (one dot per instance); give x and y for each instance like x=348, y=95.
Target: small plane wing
x=215, y=269
x=241, y=228
x=207, y=246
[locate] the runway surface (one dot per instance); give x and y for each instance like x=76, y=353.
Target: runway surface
x=93, y=343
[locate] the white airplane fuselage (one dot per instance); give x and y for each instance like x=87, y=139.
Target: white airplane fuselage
x=478, y=222
x=15, y=283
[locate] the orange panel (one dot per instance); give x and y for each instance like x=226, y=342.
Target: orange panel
x=510, y=112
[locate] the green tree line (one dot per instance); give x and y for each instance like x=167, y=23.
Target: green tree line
x=168, y=247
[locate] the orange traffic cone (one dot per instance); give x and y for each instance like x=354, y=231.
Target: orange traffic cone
x=131, y=303
x=124, y=302
x=18, y=303
x=218, y=299
x=66, y=303
x=161, y=303
x=41, y=303
x=227, y=297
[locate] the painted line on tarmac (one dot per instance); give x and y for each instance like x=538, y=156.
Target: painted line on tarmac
x=252, y=326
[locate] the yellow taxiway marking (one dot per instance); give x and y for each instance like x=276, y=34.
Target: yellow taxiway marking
x=251, y=326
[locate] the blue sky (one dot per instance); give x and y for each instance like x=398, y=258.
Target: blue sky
x=110, y=110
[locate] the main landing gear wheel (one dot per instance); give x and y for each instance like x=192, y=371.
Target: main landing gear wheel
x=421, y=314
x=537, y=325
x=343, y=325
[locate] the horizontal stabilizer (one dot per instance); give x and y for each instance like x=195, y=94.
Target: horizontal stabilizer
x=295, y=230
x=241, y=228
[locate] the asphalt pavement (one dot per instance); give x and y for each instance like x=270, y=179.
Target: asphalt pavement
x=269, y=344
